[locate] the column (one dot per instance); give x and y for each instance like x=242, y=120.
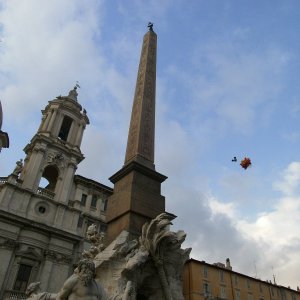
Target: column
x=6, y=255
x=45, y=122
x=72, y=133
x=57, y=124
x=66, y=183
x=79, y=136
x=50, y=124
x=33, y=169
x=46, y=272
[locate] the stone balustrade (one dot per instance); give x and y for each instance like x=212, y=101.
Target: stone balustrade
x=14, y=295
x=3, y=180
x=45, y=193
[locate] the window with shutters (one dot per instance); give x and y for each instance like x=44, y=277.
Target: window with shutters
x=94, y=201
x=223, y=292
x=221, y=275
x=205, y=272
x=83, y=199
x=80, y=222
x=22, y=278
x=103, y=204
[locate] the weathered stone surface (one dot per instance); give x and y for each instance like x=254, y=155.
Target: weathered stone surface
x=41, y=227
x=150, y=266
x=136, y=200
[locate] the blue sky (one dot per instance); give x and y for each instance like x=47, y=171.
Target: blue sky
x=227, y=85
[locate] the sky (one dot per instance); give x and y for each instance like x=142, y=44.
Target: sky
x=227, y=85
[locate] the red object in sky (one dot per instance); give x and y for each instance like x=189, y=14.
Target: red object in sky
x=245, y=163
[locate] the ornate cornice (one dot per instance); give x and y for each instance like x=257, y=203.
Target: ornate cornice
x=9, y=244
x=92, y=184
x=56, y=143
x=20, y=221
x=57, y=257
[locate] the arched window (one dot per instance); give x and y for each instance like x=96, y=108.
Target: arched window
x=49, y=178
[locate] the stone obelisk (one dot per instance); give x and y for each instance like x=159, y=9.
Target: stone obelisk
x=137, y=186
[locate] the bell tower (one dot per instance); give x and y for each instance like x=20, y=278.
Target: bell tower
x=54, y=152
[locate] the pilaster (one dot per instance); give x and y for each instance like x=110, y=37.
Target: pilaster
x=53, y=116
x=31, y=174
x=45, y=275
x=64, y=188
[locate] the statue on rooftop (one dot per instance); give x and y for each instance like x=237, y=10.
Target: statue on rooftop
x=73, y=93
x=19, y=167
x=33, y=293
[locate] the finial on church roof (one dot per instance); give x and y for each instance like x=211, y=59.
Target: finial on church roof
x=73, y=93
x=150, y=26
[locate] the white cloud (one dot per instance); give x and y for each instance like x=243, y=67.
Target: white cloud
x=45, y=52
x=271, y=240
x=264, y=246
x=42, y=56
x=290, y=182
x=217, y=208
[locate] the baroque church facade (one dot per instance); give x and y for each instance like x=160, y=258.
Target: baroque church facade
x=42, y=229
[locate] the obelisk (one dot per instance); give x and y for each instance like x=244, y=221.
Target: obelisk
x=137, y=186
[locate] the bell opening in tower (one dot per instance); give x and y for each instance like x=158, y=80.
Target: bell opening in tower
x=65, y=128
x=49, y=178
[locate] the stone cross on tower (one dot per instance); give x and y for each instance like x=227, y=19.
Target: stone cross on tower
x=137, y=186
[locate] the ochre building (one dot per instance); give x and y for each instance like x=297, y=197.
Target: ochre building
x=203, y=281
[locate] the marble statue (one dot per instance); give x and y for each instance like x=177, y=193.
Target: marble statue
x=146, y=268
x=33, y=293
x=73, y=93
x=96, y=239
x=82, y=285
x=149, y=267
x=19, y=167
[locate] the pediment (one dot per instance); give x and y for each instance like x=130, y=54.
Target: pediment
x=30, y=253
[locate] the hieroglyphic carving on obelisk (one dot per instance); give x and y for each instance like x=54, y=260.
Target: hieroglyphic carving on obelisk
x=140, y=144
